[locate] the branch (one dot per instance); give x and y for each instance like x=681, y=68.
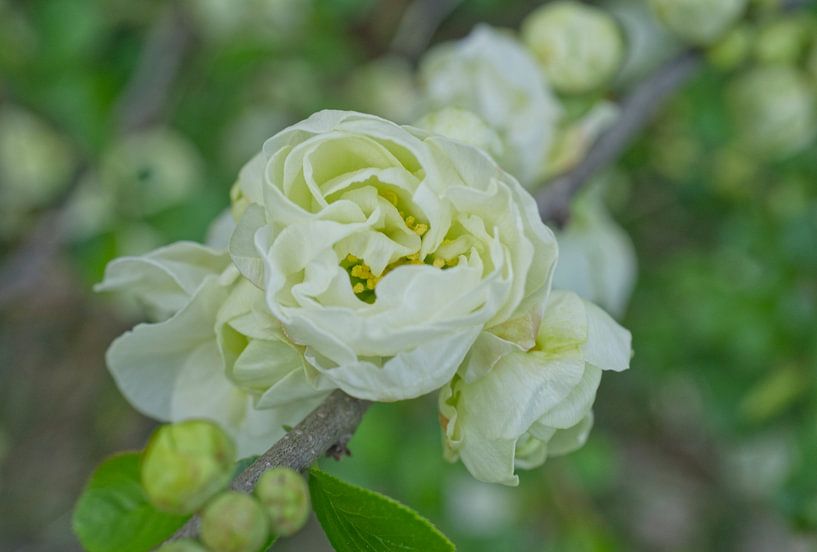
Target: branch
x=637, y=109
x=326, y=430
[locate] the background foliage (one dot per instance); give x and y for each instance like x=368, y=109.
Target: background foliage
x=707, y=443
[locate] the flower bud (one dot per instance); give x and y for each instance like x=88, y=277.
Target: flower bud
x=465, y=126
x=151, y=170
x=385, y=87
x=579, y=47
x=285, y=497
x=774, y=110
x=700, y=22
x=783, y=40
x=234, y=522
x=184, y=545
x=185, y=464
x=733, y=49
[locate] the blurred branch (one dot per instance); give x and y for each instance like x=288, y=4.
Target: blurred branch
x=146, y=93
x=637, y=110
x=326, y=430
x=140, y=104
x=418, y=25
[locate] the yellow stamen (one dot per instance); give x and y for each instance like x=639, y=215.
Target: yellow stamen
x=371, y=283
x=439, y=262
x=362, y=271
x=420, y=229
x=358, y=288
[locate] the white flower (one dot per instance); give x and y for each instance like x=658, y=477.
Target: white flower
x=775, y=109
x=513, y=406
x=491, y=74
x=580, y=47
x=596, y=256
x=698, y=21
x=385, y=250
x=215, y=351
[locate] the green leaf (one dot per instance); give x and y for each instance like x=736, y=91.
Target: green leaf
x=113, y=514
x=360, y=520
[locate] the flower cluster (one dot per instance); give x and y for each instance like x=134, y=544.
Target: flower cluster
x=382, y=260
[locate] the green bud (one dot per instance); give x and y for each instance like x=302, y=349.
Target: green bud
x=775, y=110
x=700, y=22
x=285, y=497
x=782, y=40
x=184, y=545
x=185, y=464
x=234, y=522
x=579, y=47
x=733, y=49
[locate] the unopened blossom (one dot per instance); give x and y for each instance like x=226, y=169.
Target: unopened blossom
x=775, y=110
x=580, y=47
x=185, y=464
x=698, y=21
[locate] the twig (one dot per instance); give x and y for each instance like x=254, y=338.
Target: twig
x=637, y=110
x=146, y=93
x=328, y=426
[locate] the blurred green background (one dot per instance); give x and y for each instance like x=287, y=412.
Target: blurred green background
x=122, y=127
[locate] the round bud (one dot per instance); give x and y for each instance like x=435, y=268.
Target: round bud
x=701, y=22
x=185, y=464
x=465, y=126
x=733, y=49
x=285, y=496
x=783, y=40
x=775, y=110
x=579, y=47
x=151, y=170
x=234, y=522
x=184, y=545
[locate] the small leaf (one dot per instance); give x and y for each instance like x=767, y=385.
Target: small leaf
x=113, y=514
x=243, y=464
x=358, y=520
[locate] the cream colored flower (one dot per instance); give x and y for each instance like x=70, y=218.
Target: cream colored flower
x=385, y=250
x=511, y=406
x=580, y=47
x=215, y=351
x=493, y=75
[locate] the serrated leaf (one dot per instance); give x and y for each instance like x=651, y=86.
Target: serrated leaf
x=359, y=520
x=113, y=514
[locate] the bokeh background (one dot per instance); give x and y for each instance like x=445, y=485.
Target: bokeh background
x=122, y=127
